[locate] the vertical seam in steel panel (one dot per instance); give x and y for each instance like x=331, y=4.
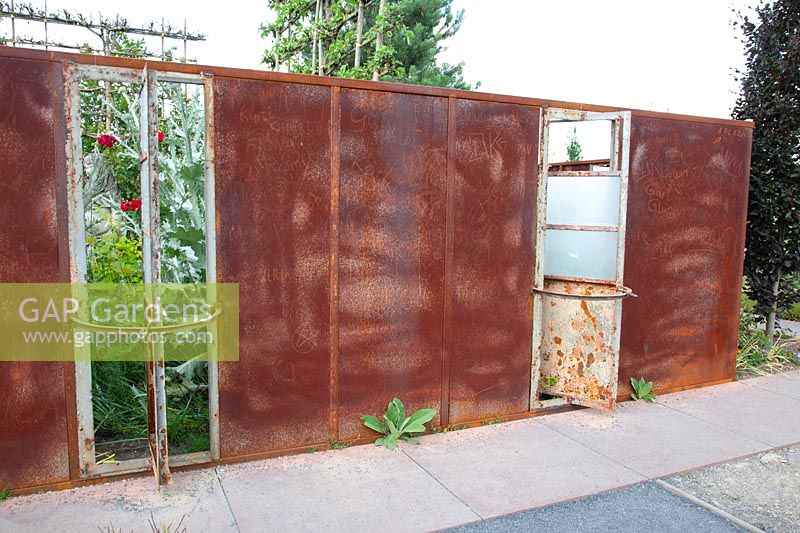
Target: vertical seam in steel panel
x=58, y=94
x=333, y=250
x=447, y=308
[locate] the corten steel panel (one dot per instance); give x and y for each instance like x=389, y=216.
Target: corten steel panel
x=393, y=165
x=273, y=197
x=33, y=426
x=495, y=163
x=687, y=203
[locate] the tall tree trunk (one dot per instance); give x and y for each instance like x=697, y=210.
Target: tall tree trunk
x=359, y=32
x=324, y=15
x=106, y=37
x=314, y=40
x=276, y=59
x=773, y=308
x=379, y=38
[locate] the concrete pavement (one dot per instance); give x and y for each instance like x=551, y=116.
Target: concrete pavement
x=450, y=479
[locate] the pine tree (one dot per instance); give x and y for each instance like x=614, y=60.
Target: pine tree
x=391, y=40
x=574, y=147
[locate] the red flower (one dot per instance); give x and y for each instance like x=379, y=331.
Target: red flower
x=131, y=205
x=106, y=140
x=161, y=136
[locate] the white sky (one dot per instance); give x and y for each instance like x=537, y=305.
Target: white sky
x=672, y=56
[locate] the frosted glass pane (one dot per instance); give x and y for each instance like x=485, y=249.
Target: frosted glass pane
x=581, y=254
x=583, y=200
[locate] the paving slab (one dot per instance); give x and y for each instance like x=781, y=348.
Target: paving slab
x=505, y=468
x=754, y=412
x=653, y=439
x=785, y=384
x=123, y=506
x=451, y=479
x=358, y=489
x=643, y=507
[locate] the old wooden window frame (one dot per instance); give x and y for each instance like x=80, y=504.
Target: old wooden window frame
x=148, y=79
x=619, y=162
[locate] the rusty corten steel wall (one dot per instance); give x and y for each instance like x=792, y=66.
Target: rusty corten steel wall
x=495, y=164
x=273, y=219
x=687, y=203
x=383, y=243
x=33, y=416
x=393, y=172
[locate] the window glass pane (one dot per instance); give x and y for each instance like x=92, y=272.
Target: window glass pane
x=581, y=254
x=580, y=140
x=583, y=200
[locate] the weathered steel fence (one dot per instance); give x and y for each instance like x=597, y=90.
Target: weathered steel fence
x=383, y=239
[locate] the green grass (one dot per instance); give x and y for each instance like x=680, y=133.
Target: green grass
x=756, y=355
x=793, y=313
x=120, y=406
x=4, y=493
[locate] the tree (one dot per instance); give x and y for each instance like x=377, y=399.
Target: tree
x=574, y=147
x=770, y=95
x=391, y=40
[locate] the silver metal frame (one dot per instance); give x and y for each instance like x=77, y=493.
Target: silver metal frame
x=73, y=74
x=618, y=166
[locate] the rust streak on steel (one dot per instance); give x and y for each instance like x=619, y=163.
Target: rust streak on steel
x=33, y=434
x=333, y=251
x=687, y=203
x=495, y=160
x=447, y=330
x=273, y=198
x=391, y=253
x=59, y=135
x=328, y=81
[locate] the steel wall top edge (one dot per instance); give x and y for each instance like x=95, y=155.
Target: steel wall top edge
x=42, y=55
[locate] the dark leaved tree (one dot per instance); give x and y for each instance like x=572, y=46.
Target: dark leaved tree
x=770, y=95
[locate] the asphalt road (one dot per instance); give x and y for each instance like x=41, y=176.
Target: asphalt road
x=643, y=507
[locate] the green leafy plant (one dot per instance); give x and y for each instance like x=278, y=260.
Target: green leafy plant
x=641, y=390
x=396, y=426
x=334, y=444
x=550, y=381
x=770, y=95
x=4, y=493
x=756, y=354
x=793, y=313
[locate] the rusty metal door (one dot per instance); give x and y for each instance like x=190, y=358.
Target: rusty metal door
x=578, y=278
